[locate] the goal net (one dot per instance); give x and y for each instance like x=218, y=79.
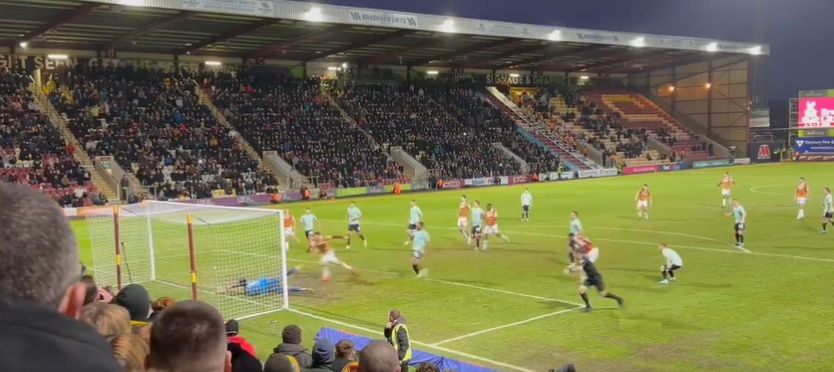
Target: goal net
x=194, y=251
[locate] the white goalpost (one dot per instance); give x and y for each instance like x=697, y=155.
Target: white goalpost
x=194, y=251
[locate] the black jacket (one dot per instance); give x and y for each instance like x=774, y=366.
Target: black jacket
x=242, y=361
x=304, y=359
x=339, y=364
x=402, y=337
x=35, y=339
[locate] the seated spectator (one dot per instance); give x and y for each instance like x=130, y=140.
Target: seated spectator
x=323, y=356
x=291, y=346
x=130, y=351
x=160, y=304
x=379, y=356
x=137, y=301
x=292, y=117
x=40, y=293
x=189, y=336
x=281, y=363
x=107, y=319
x=345, y=355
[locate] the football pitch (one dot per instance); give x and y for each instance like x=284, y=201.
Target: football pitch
x=513, y=309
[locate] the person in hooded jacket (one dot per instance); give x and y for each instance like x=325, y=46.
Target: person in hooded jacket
x=291, y=346
x=40, y=293
x=323, y=357
x=137, y=301
x=232, y=330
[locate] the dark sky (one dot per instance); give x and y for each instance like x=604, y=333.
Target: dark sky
x=800, y=32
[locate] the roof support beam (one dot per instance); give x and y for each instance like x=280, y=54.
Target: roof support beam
x=69, y=16
x=231, y=34
x=462, y=52
x=554, y=53
x=282, y=45
x=517, y=51
x=614, y=56
x=425, y=43
x=152, y=26
x=682, y=60
x=375, y=39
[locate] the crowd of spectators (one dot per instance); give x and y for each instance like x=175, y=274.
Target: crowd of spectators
x=33, y=152
x=153, y=124
x=448, y=128
x=292, y=117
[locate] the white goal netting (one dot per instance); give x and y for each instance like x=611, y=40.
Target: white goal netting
x=192, y=251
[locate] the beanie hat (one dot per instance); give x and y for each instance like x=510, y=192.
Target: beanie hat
x=136, y=300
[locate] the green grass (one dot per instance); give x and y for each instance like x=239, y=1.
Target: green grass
x=730, y=311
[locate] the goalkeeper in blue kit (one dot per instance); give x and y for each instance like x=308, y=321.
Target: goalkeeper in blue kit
x=264, y=286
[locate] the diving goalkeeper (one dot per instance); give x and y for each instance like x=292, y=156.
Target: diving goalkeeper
x=264, y=286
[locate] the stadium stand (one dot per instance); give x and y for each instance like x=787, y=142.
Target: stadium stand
x=291, y=116
x=153, y=125
x=636, y=112
x=448, y=128
x=33, y=152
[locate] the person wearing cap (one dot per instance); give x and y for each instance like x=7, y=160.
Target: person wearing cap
x=232, y=334
x=396, y=332
x=281, y=363
x=137, y=301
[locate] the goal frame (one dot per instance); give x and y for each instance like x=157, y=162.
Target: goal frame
x=189, y=210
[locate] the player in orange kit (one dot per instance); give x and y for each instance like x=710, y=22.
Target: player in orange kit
x=644, y=199
x=726, y=185
x=463, y=218
x=321, y=243
x=289, y=227
x=801, y=197
x=492, y=226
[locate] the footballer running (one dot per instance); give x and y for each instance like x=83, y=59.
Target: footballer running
x=590, y=277
x=289, y=227
x=492, y=226
x=415, y=215
x=828, y=210
x=801, y=197
x=644, y=200
x=463, y=219
x=321, y=243
x=418, y=250
x=477, y=219
x=353, y=216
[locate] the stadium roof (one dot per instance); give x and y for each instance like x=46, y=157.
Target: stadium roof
x=311, y=32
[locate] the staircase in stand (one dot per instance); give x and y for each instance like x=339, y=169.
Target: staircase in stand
x=571, y=159
x=58, y=121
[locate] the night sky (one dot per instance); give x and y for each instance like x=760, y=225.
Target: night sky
x=800, y=32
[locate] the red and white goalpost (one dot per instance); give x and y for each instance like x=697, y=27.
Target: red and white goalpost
x=192, y=251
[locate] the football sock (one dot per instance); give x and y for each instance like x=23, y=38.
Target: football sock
x=361, y=236
x=738, y=238
x=416, y=268
x=824, y=226
x=741, y=238
x=664, y=272
x=570, y=257
x=671, y=273
x=477, y=242
x=585, y=298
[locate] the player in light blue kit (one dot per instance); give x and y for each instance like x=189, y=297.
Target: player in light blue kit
x=827, y=210
x=415, y=215
x=353, y=216
x=264, y=286
x=575, y=230
x=740, y=217
x=477, y=223
x=421, y=240
x=309, y=221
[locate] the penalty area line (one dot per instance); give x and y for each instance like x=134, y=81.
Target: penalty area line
x=415, y=342
x=498, y=328
x=447, y=282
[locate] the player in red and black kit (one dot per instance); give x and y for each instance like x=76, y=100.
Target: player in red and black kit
x=590, y=277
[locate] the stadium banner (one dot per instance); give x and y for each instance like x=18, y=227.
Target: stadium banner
x=762, y=152
x=418, y=357
x=554, y=176
x=590, y=173
x=353, y=191
x=291, y=196
x=815, y=158
x=383, y=19
x=485, y=181
x=710, y=163
x=250, y=8
x=818, y=145
x=673, y=167
x=643, y=169
x=741, y=161
x=20, y=164
x=232, y=201
x=514, y=180
x=816, y=133
x=377, y=189
x=760, y=118
x=816, y=112
x=403, y=187
x=521, y=80
x=453, y=184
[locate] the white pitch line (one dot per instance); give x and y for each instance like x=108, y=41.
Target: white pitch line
x=737, y=251
x=418, y=343
x=488, y=289
x=493, y=329
x=756, y=191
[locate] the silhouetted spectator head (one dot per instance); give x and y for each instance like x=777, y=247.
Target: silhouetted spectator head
x=137, y=301
x=189, y=336
x=291, y=335
x=281, y=363
x=107, y=319
x=379, y=356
